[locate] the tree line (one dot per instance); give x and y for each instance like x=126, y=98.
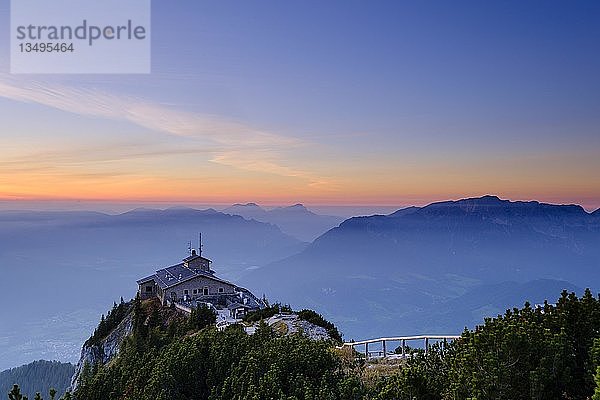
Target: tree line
x=550, y=351
x=38, y=376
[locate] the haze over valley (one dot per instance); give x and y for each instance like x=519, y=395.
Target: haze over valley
x=436, y=268
x=64, y=269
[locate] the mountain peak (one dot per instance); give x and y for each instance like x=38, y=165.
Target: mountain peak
x=297, y=206
x=467, y=204
x=493, y=206
x=296, y=209
x=251, y=210
x=248, y=205
x=488, y=198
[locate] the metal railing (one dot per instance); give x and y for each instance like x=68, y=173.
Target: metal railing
x=402, y=339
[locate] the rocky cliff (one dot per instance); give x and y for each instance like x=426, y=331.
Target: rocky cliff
x=106, y=350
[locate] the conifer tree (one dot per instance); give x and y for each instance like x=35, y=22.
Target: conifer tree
x=15, y=393
x=596, y=395
x=202, y=317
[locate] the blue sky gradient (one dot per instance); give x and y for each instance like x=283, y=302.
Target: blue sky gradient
x=337, y=102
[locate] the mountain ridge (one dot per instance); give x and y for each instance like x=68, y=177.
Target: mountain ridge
x=295, y=220
x=426, y=256
x=66, y=252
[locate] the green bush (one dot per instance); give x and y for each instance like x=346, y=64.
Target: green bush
x=267, y=312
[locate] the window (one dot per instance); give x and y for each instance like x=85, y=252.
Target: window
x=195, y=291
x=148, y=289
x=206, y=290
x=221, y=290
x=173, y=296
x=186, y=292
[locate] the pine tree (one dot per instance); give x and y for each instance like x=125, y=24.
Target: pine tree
x=596, y=395
x=15, y=394
x=202, y=317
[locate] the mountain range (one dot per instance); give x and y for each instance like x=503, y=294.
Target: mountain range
x=63, y=269
x=296, y=220
x=433, y=268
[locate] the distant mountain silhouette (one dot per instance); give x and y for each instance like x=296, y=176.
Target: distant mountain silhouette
x=38, y=376
x=394, y=270
x=61, y=268
x=404, y=211
x=296, y=220
x=246, y=208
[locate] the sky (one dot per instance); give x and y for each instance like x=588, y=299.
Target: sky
x=335, y=103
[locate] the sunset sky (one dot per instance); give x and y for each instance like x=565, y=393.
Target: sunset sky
x=321, y=102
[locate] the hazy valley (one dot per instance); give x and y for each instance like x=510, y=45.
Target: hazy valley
x=432, y=269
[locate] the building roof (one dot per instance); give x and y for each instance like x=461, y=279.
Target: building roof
x=146, y=279
x=235, y=306
x=176, y=274
x=195, y=256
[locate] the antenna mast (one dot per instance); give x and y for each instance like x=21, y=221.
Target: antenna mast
x=200, y=243
x=190, y=247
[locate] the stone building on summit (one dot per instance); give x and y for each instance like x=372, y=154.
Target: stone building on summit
x=192, y=282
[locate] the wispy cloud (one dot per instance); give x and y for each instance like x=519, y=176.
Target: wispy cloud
x=52, y=160
x=266, y=162
x=235, y=144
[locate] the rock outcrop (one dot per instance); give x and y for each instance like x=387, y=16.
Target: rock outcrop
x=106, y=350
x=289, y=324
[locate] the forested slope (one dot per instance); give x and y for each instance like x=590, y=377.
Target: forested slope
x=546, y=352
x=38, y=376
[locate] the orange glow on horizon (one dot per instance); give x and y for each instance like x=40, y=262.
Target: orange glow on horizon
x=375, y=185
x=590, y=203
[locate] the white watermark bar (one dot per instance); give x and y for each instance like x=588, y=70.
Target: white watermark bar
x=80, y=36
